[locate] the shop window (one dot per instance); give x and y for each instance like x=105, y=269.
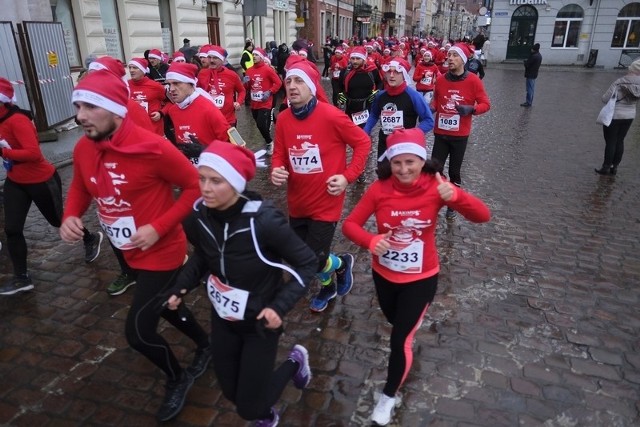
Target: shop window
x=165, y=24
x=567, y=27
x=62, y=13
x=626, y=33
x=111, y=28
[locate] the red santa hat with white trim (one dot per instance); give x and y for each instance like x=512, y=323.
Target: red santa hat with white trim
x=405, y=141
x=103, y=89
x=260, y=52
x=140, y=63
x=218, y=52
x=358, y=52
x=155, y=54
x=304, y=70
x=235, y=163
x=7, y=94
x=179, y=57
x=182, y=72
x=204, y=51
x=401, y=65
x=110, y=64
x=462, y=50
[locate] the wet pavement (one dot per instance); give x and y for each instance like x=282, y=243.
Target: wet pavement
x=535, y=321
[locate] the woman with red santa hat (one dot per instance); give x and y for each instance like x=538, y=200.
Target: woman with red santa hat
x=405, y=201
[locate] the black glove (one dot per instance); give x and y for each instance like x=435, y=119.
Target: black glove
x=465, y=110
x=191, y=151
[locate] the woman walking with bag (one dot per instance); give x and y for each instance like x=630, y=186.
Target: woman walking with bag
x=627, y=91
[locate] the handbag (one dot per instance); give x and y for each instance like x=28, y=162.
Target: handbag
x=606, y=114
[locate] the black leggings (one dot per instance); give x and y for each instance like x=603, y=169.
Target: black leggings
x=614, y=135
x=318, y=235
x=454, y=148
x=335, y=87
x=263, y=121
x=144, y=315
x=244, y=361
x=404, y=305
x=17, y=201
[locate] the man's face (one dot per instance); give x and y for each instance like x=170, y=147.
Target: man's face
x=298, y=93
x=257, y=58
x=215, y=62
x=97, y=123
x=154, y=62
x=456, y=64
x=178, y=91
x=136, y=73
x=356, y=62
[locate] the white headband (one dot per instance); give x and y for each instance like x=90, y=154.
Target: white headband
x=153, y=55
x=216, y=54
x=93, y=98
x=172, y=75
x=224, y=168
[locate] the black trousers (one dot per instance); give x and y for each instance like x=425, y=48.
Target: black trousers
x=318, y=235
x=262, y=118
x=614, y=135
x=46, y=195
x=454, y=148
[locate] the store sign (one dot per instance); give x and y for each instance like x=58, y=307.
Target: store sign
x=280, y=4
x=519, y=2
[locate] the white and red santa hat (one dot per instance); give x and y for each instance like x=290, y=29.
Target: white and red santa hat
x=218, y=52
x=236, y=164
x=462, y=50
x=179, y=57
x=303, y=53
x=358, y=52
x=182, y=72
x=103, y=89
x=339, y=50
x=140, y=63
x=304, y=70
x=7, y=94
x=405, y=141
x=204, y=51
x=155, y=54
x=401, y=65
x=108, y=63
x=260, y=52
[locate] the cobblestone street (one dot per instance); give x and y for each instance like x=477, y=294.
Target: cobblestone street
x=535, y=321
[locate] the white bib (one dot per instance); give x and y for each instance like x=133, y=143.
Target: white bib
x=391, y=120
x=218, y=101
x=145, y=105
x=230, y=303
x=119, y=230
x=360, y=117
x=404, y=257
x=449, y=122
x=256, y=96
x=336, y=74
x=427, y=78
x=306, y=160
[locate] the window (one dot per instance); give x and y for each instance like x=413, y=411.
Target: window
x=626, y=33
x=567, y=28
x=165, y=24
x=62, y=13
x=111, y=28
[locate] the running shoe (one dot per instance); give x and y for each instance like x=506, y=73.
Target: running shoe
x=344, y=276
x=120, y=284
x=92, y=247
x=175, y=394
x=300, y=355
x=200, y=361
x=269, y=422
x=382, y=412
x=326, y=294
x=450, y=215
x=19, y=283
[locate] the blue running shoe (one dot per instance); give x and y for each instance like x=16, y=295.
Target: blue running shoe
x=326, y=294
x=344, y=276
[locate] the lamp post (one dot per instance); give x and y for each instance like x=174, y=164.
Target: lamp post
x=375, y=21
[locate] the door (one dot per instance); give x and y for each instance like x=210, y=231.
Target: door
x=213, y=24
x=522, y=33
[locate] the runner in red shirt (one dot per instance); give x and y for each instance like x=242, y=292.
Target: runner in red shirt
x=148, y=93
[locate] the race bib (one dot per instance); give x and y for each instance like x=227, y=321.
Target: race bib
x=427, y=79
x=230, y=303
x=218, y=101
x=306, y=160
x=145, y=105
x=391, y=120
x=336, y=74
x=361, y=117
x=428, y=97
x=119, y=230
x=449, y=122
x=404, y=257
x=256, y=96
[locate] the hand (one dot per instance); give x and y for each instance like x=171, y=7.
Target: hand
x=279, y=176
x=373, y=95
x=383, y=244
x=236, y=105
x=145, y=237
x=246, y=79
x=445, y=188
x=342, y=97
x=273, y=320
x=336, y=184
x=4, y=144
x=465, y=110
x=72, y=229
x=266, y=95
x=176, y=299
x=155, y=116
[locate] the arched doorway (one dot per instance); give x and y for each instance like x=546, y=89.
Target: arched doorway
x=522, y=33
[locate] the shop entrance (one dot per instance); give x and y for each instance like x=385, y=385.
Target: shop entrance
x=522, y=32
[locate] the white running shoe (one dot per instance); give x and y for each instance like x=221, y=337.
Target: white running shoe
x=382, y=412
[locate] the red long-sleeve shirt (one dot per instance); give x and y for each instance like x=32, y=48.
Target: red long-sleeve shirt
x=200, y=119
x=29, y=165
x=150, y=95
x=262, y=78
x=449, y=93
x=223, y=85
x=337, y=65
x=425, y=76
x=314, y=149
x=410, y=212
x=143, y=185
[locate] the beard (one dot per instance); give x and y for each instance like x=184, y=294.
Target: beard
x=100, y=135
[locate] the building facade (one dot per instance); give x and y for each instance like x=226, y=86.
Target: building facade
x=569, y=31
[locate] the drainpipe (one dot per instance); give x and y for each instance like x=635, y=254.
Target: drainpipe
x=593, y=27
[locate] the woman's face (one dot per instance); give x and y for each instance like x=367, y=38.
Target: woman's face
x=406, y=167
x=216, y=191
